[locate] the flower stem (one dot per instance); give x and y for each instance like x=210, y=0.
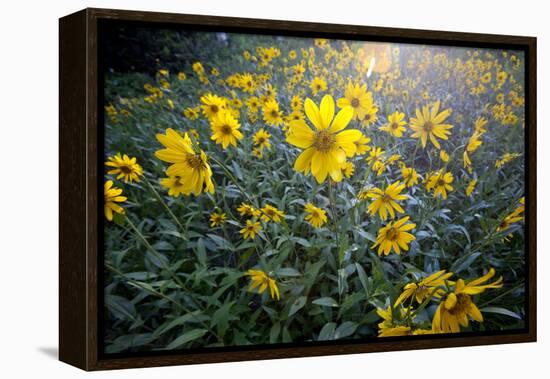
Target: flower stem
x=168, y=210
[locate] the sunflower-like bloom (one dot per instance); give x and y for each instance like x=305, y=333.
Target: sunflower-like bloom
x=385, y=201
x=251, y=229
x=192, y=168
x=272, y=115
x=410, y=176
x=457, y=306
x=248, y=210
x=429, y=124
x=270, y=213
x=112, y=196
x=326, y=147
x=440, y=183
x=225, y=129
x=261, y=139
x=212, y=105
x=426, y=288
x=217, y=219
x=124, y=167
x=362, y=145
x=514, y=217
x=316, y=217
x=358, y=98
x=318, y=84
x=262, y=281
x=392, y=328
x=395, y=236
x=174, y=185
x=396, y=124
x=471, y=187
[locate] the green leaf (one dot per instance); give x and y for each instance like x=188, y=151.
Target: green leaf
x=274, y=333
x=327, y=333
x=186, y=337
x=201, y=252
x=464, y=262
x=362, y=277
x=287, y=271
x=326, y=302
x=345, y=329
x=502, y=311
x=297, y=305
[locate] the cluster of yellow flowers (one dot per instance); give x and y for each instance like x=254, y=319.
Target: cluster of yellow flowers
x=324, y=121
x=456, y=306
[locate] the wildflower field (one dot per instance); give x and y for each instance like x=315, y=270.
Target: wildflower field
x=267, y=190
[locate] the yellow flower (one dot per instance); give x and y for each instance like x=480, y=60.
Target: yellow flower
x=410, y=176
x=261, y=139
x=370, y=116
x=317, y=217
x=225, y=129
x=217, y=219
x=326, y=148
x=174, y=184
x=507, y=157
x=479, y=125
x=191, y=113
x=362, y=145
x=457, y=306
x=212, y=105
x=191, y=166
x=272, y=115
x=248, y=210
x=262, y=281
x=394, y=236
x=386, y=201
x=270, y=213
x=296, y=103
x=317, y=85
x=512, y=218
x=471, y=187
x=124, y=167
x=251, y=229
x=181, y=76
x=425, y=288
x=443, y=155
x=396, y=124
x=440, y=183
x=348, y=169
x=112, y=197
x=428, y=124
x=247, y=83
x=356, y=97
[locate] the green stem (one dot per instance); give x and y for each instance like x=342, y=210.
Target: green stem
x=168, y=210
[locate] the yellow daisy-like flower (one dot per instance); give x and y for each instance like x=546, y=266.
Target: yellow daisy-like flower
x=191, y=113
x=317, y=217
x=247, y=210
x=429, y=124
x=296, y=103
x=425, y=288
x=385, y=201
x=272, y=115
x=182, y=76
x=190, y=166
x=317, y=85
x=250, y=229
x=396, y=124
x=457, y=307
x=471, y=187
x=443, y=155
x=371, y=116
x=262, y=281
x=174, y=184
x=394, y=236
x=212, y=105
x=326, y=147
x=440, y=183
x=358, y=98
x=247, y=83
x=270, y=213
x=362, y=145
x=217, y=219
x=410, y=176
x=112, y=196
x=124, y=167
x=225, y=129
x=348, y=169
x=261, y=139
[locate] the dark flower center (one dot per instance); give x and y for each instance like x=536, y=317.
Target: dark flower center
x=355, y=102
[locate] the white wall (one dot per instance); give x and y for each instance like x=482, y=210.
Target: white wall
x=28, y=185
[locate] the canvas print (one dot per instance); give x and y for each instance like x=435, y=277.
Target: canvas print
x=266, y=190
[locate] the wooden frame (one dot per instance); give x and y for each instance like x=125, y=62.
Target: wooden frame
x=80, y=175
